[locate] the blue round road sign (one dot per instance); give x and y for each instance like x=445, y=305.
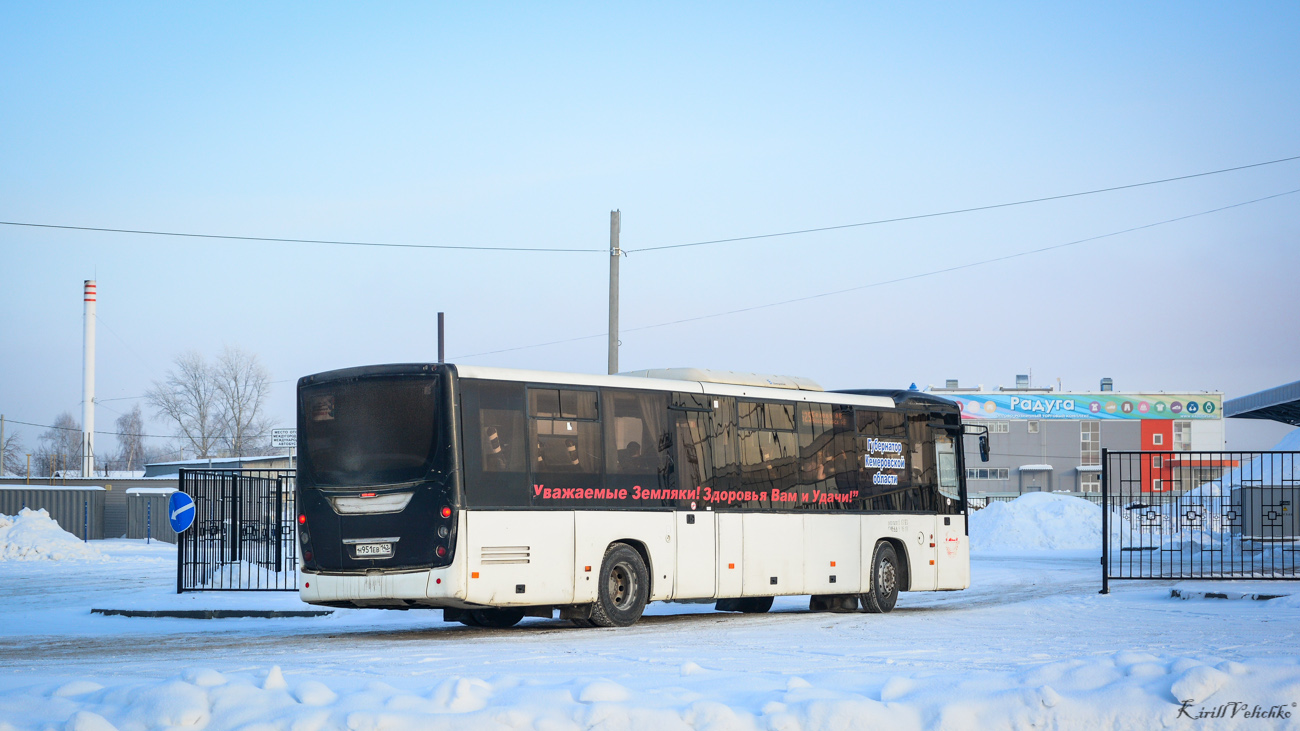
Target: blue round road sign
x=180, y=511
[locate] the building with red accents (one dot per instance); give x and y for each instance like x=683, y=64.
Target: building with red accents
x=1047, y=440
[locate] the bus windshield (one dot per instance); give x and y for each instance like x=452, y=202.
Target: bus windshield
x=371, y=431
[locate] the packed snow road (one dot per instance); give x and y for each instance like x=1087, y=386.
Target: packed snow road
x=36, y=636
x=1030, y=644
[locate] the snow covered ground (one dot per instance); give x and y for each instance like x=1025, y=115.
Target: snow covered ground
x=1030, y=645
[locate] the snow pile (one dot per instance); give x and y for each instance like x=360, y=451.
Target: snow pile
x=1037, y=521
x=32, y=535
x=1124, y=690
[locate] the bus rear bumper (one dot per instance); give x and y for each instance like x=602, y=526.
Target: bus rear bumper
x=429, y=588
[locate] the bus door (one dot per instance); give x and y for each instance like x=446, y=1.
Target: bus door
x=952, y=546
x=696, y=527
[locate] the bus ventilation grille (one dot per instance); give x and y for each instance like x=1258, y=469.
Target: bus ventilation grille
x=504, y=554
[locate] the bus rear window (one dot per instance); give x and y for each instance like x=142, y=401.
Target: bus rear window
x=373, y=431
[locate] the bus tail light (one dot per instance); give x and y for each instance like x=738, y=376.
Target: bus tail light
x=302, y=519
x=442, y=551
x=446, y=511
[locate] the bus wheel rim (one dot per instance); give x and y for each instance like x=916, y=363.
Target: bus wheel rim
x=887, y=578
x=622, y=585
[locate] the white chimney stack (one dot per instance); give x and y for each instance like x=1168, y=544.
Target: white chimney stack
x=88, y=384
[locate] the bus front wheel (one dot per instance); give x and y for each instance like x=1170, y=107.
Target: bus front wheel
x=623, y=589
x=882, y=595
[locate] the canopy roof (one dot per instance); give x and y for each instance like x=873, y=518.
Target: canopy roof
x=1280, y=403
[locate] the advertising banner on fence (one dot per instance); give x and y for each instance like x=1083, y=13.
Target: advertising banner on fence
x=1090, y=405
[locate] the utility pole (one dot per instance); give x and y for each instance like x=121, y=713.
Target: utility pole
x=614, y=253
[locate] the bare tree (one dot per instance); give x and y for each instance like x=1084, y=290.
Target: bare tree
x=189, y=398
x=130, y=440
x=242, y=383
x=60, y=447
x=13, y=460
x=215, y=407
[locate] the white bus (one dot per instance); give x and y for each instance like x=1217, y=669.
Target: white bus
x=496, y=494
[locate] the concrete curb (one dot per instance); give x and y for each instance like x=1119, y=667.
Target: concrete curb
x=1194, y=594
x=215, y=613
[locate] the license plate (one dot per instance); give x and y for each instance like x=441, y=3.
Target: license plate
x=373, y=550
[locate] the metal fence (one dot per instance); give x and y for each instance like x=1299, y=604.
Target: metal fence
x=979, y=502
x=146, y=514
x=1200, y=515
x=77, y=510
x=244, y=536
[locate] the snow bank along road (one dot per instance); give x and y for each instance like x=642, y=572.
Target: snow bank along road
x=1030, y=645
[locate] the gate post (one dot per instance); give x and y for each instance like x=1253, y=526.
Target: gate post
x=236, y=515
x=277, y=524
x=180, y=537
x=1105, y=521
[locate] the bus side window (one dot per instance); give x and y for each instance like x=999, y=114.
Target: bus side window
x=949, y=483
x=495, y=444
x=637, y=439
x=564, y=436
x=890, y=426
x=720, y=430
x=769, y=451
x=921, y=464
x=816, y=456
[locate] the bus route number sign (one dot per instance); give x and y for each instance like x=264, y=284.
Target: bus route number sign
x=284, y=438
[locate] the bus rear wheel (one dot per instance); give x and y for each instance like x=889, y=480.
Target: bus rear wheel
x=623, y=588
x=883, y=594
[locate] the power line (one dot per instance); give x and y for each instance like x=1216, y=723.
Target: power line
x=896, y=280
x=290, y=241
x=963, y=210
x=108, y=433
x=133, y=398
x=332, y=242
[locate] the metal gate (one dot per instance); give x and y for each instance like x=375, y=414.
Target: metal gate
x=1200, y=515
x=244, y=536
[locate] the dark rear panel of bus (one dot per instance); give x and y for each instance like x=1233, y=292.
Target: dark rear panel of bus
x=377, y=466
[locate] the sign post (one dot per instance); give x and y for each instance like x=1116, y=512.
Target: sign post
x=285, y=438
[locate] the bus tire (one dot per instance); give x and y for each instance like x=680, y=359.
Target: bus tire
x=496, y=618
x=883, y=594
x=623, y=588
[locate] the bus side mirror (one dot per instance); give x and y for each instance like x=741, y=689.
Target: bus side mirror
x=984, y=447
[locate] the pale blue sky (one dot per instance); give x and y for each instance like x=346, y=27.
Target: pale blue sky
x=524, y=125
